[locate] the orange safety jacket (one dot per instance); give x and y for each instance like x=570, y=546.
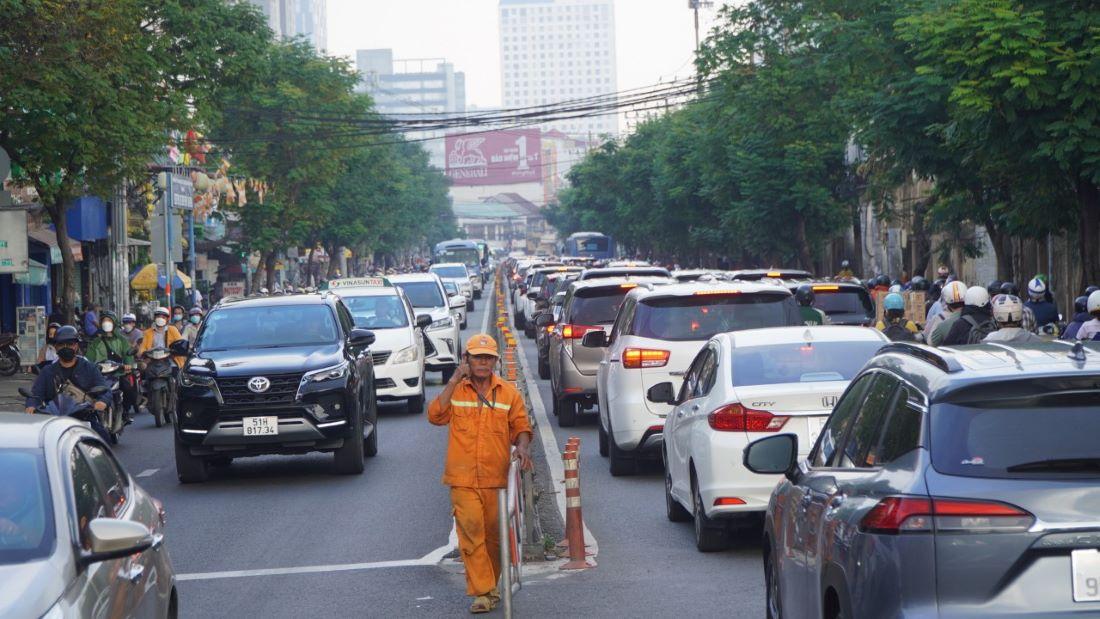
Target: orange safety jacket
x=481, y=435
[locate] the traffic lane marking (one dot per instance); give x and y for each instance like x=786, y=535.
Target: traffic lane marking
x=147, y=473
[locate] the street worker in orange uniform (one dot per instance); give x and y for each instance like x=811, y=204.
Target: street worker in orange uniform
x=486, y=417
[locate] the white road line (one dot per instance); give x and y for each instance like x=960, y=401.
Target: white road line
x=489, y=308
x=550, y=444
x=147, y=473
x=305, y=569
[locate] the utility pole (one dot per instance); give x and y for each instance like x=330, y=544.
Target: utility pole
x=695, y=5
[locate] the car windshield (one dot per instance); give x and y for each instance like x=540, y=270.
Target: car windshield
x=467, y=256
x=843, y=302
x=698, y=317
x=422, y=294
x=596, y=306
x=26, y=509
x=377, y=312
x=800, y=362
x=271, y=326
x=450, y=287
x=1048, y=437
x=454, y=271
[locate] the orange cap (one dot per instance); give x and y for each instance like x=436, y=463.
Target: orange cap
x=482, y=344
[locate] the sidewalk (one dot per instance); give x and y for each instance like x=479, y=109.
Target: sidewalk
x=10, y=400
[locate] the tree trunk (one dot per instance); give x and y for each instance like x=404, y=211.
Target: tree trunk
x=269, y=268
x=921, y=244
x=333, y=261
x=67, y=298
x=1002, y=247
x=1088, y=225
x=855, y=262
x=805, y=258
x=309, y=266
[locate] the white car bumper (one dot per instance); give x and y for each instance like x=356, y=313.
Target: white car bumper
x=724, y=480
x=634, y=427
x=398, y=381
x=446, y=345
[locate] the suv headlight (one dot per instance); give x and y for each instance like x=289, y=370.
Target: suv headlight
x=442, y=323
x=333, y=373
x=187, y=379
x=405, y=355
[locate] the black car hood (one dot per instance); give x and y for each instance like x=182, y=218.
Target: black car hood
x=257, y=361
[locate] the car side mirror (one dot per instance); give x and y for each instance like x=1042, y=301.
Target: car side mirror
x=457, y=301
x=661, y=393
x=772, y=455
x=360, y=338
x=110, y=538
x=532, y=295
x=423, y=321
x=545, y=320
x=594, y=339
x=180, y=347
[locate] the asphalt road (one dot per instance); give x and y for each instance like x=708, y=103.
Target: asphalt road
x=285, y=537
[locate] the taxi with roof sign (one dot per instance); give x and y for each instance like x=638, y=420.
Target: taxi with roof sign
x=428, y=298
x=656, y=334
x=398, y=352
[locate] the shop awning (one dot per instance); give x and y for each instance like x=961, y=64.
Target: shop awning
x=48, y=237
x=37, y=274
x=149, y=277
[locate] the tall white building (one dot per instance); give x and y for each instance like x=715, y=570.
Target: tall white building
x=557, y=50
x=292, y=18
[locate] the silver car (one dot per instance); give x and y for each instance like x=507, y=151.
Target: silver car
x=952, y=482
x=78, y=537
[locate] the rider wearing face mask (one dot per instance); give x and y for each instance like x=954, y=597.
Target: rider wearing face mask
x=178, y=314
x=191, y=331
x=69, y=367
x=109, y=343
x=130, y=330
x=160, y=335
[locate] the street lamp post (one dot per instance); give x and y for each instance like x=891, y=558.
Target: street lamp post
x=695, y=5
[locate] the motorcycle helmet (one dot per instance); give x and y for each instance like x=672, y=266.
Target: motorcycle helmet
x=893, y=301
x=994, y=287
x=1080, y=305
x=1008, y=309
x=976, y=296
x=66, y=334
x=804, y=295
x=918, y=283
x=1036, y=288
x=954, y=293
x=128, y=317
x=1010, y=288
x=1094, y=303
x=1091, y=289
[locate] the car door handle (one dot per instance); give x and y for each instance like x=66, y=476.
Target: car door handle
x=695, y=408
x=612, y=360
x=676, y=373
x=133, y=572
x=680, y=413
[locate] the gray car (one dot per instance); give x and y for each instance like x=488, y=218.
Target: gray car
x=78, y=537
x=952, y=482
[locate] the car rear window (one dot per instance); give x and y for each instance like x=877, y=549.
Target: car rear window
x=631, y=272
x=455, y=271
x=842, y=301
x=699, y=317
x=25, y=507
x=596, y=306
x=422, y=294
x=1053, y=436
x=800, y=362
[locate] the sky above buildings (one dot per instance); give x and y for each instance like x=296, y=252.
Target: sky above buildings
x=655, y=38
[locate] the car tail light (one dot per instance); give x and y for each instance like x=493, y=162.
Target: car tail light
x=645, y=358
x=575, y=332
x=894, y=515
x=737, y=418
x=728, y=500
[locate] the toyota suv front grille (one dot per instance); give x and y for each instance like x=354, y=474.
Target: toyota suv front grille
x=283, y=389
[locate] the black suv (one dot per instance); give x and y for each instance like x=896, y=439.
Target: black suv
x=277, y=375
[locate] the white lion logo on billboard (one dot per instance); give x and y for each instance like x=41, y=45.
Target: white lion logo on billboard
x=466, y=153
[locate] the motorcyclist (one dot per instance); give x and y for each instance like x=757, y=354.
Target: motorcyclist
x=894, y=324
x=160, y=335
x=70, y=367
x=975, y=319
x=109, y=343
x=1091, y=329
x=1080, y=317
x=130, y=330
x=1029, y=316
x=1008, y=312
x=191, y=331
x=1045, y=311
x=952, y=300
x=178, y=312
x=994, y=288
x=845, y=271
x=48, y=354
x=804, y=295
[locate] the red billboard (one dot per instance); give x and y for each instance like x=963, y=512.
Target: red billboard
x=495, y=157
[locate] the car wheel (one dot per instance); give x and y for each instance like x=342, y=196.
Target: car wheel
x=446, y=373
x=190, y=469
x=603, y=439
x=348, y=459
x=544, y=368
x=463, y=325
x=772, y=602
x=370, y=444
x=673, y=509
x=415, y=405
x=710, y=536
x=567, y=413
x=520, y=321
x=554, y=405
x=477, y=294
x=619, y=462
x=157, y=406
x=221, y=462
x=470, y=306
x=529, y=330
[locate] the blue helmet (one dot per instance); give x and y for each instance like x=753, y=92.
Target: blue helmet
x=893, y=301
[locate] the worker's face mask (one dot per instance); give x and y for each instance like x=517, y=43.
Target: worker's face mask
x=127, y=327
x=195, y=319
x=107, y=326
x=177, y=317
x=66, y=353
x=161, y=321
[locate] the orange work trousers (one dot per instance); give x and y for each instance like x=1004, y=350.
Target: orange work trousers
x=477, y=523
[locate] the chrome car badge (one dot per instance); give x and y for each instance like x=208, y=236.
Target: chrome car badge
x=258, y=384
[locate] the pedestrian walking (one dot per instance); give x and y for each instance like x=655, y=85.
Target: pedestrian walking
x=486, y=417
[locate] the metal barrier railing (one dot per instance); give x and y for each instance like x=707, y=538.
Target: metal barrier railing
x=510, y=513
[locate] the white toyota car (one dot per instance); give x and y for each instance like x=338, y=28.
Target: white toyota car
x=656, y=334
x=443, y=349
x=740, y=387
x=398, y=349
x=456, y=272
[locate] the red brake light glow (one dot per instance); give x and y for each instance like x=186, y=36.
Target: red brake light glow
x=826, y=288
x=737, y=418
x=644, y=358
x=575, y=332
x=728, y=500
x=894, y=515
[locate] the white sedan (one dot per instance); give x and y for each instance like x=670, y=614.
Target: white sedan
x=741, y=386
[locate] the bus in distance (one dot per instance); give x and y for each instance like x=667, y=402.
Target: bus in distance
x=589, y=245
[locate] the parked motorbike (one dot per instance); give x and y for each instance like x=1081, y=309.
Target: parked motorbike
x=113, y=419
x=74, y=402
x=160, y=387
x=9, y=354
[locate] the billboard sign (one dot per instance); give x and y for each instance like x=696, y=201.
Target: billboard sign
x=495, y=157
x=13, y=242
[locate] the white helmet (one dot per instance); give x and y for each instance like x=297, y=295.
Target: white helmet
x=953, y=293
x=1008, y=308
x=895, y=288
x=976, y=296
x=1036, y=288
x=1094, y=302
x=162, y=311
